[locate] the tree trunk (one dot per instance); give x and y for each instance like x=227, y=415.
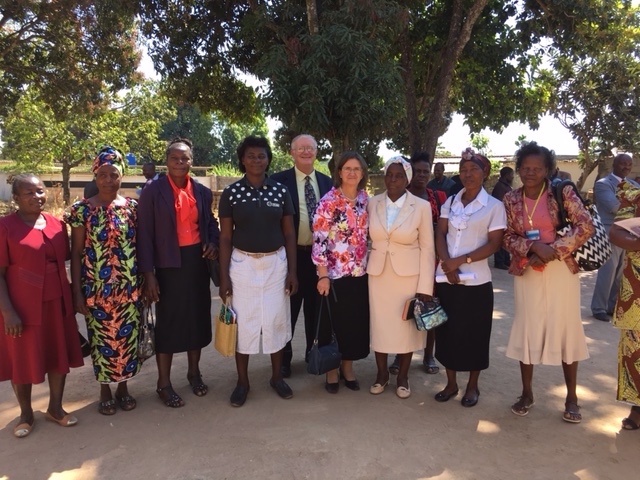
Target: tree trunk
x=459, y=34
x=410, y=96
x=312, y=17
x=66, y=176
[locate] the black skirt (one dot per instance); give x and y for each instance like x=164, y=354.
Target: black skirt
x=462, y=343
x=183, y=314
x=349, y=316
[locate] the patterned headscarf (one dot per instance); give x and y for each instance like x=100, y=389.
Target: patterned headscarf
x=469, y=155
x=109, y=156
x=405, y=165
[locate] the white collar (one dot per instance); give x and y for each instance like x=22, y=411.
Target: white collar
x=398, y=203
x=300, y=175
x=459, y=214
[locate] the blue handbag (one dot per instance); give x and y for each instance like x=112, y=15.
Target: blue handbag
x=429, y=315
x=328, y=357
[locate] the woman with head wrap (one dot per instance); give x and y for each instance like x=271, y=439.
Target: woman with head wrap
x=106, y=287
x=401, y=266
x=469, y=231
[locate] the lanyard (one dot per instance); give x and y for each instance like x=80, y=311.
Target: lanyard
x=526, y=208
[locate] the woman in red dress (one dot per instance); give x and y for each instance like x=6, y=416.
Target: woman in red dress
x=40, y=331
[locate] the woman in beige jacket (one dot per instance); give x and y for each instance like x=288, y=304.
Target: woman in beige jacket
x=401, y=266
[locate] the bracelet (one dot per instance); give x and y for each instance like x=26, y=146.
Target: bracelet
x=322, y=278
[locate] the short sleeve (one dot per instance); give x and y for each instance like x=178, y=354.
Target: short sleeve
x=287, y=208
x=498, y=219
x=446, y=207
x=224, y=206
x=76, y=214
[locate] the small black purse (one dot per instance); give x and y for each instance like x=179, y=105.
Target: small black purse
x=328, y=357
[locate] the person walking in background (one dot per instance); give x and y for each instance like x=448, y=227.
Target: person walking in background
x=106, y=287
x=501, y=258
x=627, y=311
x=306, y=186
x=469, y=231
x=258, y=264
x=547, y=325
x=39, y=334
x=177, y=232
x=401, y=267
x=340, y=228
x=440, y=181
x=607, y=285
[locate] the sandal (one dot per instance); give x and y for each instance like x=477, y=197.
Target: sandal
x=628, y=424
x=197, y=385
x=430, y=365
x=126, y=403
x=108, y=407
x=522, y=406
x=170, y=397
x=572, y=413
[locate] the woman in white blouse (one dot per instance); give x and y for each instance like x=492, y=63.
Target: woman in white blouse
x=469, y=231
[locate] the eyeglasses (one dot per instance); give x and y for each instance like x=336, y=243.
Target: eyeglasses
x=305, y=149
x=351, y=170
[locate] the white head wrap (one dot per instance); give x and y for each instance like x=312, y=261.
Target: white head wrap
x=405, y=165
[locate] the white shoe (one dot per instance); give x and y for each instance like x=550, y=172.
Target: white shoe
x=378, y=388
x=403, y=392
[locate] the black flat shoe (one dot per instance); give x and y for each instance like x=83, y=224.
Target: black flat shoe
x=470, y=401
x=282, y=389
x=332, y=387
x=239, y=396
x=352, y=384
x=443, y=396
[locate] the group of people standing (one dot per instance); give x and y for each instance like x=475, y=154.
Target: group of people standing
x=291, y=240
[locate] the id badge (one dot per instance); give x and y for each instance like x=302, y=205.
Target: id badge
x=533, y=234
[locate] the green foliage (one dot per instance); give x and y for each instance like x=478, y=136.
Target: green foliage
x=214, y=139
x=229, y=135
x=339, y=84
x=35, y=139
x=481, y=143
x=191, y=123
x=594, y=68
x=191, y=44
x=70, y=53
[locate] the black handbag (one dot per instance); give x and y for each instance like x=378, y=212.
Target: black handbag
x=328, y=357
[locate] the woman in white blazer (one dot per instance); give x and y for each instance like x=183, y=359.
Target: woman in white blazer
x=401, y=266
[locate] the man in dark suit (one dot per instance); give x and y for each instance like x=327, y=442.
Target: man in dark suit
x=306, y=187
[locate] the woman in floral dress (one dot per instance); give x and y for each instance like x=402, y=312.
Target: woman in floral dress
x=106, y=288
x=627, y=312
x=340, y=228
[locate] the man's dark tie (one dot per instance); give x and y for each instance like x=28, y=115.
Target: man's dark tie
x=310, y=199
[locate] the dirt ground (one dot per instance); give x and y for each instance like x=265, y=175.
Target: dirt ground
x=315, y=435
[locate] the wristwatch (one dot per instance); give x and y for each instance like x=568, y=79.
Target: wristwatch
x=469, y=259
